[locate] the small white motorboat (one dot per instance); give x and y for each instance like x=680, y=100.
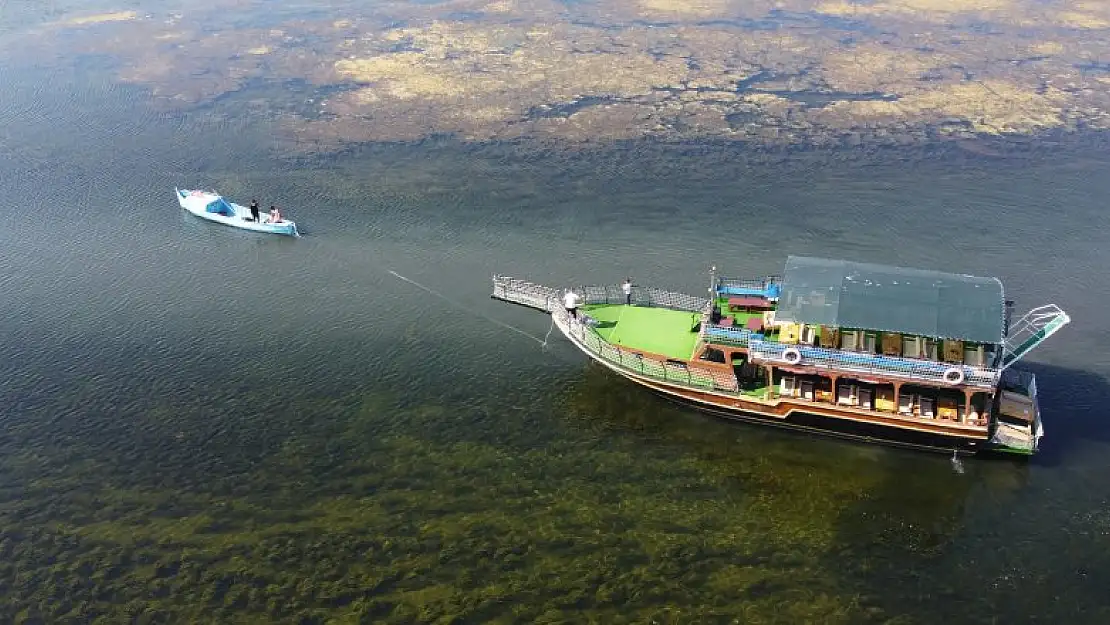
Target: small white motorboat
x=213, y=207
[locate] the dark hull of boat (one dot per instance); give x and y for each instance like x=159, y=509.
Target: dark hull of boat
x=819, y=425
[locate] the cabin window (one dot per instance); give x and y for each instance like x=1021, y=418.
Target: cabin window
x=847, y=394
x=865, y=398
x=849, y=340
x=929, y=347
x=809, y=335
x=953, y=350
x=807, y=390
x=973, y=355
x=870, y=340
x=911, y=347
x=892, y=344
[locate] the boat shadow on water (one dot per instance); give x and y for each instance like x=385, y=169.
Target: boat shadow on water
x=1073, y=413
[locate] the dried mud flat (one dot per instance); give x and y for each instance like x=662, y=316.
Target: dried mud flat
x=770, y=73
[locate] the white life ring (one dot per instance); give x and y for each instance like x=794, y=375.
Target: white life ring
x=791, y=355
x=954, y=376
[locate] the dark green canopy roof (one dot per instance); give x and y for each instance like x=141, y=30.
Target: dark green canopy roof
x=892, y=299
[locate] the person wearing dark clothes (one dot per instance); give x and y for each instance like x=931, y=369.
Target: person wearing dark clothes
x=254, y=210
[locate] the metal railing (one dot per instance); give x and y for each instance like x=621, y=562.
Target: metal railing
x=1031, y=330
x=526, y=293
x=740, y=337
x=546, y=298
x=887, y=366
x=747, y=286
x=678, y=372
x=747, y=283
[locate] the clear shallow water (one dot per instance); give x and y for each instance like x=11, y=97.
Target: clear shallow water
x=201, y=425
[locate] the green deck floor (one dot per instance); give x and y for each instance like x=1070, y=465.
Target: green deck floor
x=657, y=330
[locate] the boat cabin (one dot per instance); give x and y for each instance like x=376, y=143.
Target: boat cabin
x=906, y=341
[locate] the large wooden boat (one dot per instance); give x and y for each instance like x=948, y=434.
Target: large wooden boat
x=888, y=354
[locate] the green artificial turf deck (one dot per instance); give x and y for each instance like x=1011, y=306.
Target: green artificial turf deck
x=657, y=330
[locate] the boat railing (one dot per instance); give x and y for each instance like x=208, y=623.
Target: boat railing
x=681, y=372
x=908, y=369
x=547, y=298
x=766, y=287
x=739, y=337
x=642, y=296
x=526, y=293
x=747, y=283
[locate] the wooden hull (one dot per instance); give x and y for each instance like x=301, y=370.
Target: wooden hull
x=800, y=419
x=825, y=419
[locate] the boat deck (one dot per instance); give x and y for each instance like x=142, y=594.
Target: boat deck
x=657, y=330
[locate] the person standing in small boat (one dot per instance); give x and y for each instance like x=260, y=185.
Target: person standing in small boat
x=570, y=302
x=275, y=215
x=254, y=210
x=627, y=286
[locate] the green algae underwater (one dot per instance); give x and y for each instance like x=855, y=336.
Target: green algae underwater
x=385, y=511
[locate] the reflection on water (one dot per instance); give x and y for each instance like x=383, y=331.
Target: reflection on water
x=202, y=425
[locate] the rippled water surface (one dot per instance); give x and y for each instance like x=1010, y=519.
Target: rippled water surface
x=204, y=425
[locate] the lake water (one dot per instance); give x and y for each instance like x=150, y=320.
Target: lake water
x=204, y=425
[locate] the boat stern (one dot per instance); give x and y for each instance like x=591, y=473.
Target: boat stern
x=1017, y=427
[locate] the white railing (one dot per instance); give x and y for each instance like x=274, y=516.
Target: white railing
x=1031, y=330
x=684, y=373
x=526, y=293
x=747, y=283
x=546, y=298
x=909, y=369
x=728, y=334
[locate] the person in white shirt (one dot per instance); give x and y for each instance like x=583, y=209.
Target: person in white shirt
x=627, y=286
x=570, y=301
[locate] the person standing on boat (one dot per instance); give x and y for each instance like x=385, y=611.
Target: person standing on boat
x=254, y=210
x=570, y=302
x=627, y=286
x=275, y=215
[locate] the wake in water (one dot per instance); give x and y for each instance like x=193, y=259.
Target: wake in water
x=464, y=307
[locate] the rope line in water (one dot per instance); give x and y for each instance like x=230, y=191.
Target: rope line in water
x=548, y=335
x=464, y=307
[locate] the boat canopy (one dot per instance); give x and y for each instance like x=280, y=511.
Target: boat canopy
x=220, y=207
x=866, y=296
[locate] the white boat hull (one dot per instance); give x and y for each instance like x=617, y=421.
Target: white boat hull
x=197, y=202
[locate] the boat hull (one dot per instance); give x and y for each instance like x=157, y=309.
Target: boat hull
x=195, y=202
x=810, y=417
x=799, y=419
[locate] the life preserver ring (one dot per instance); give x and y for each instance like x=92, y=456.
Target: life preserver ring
x=791, y=356
x=954, y=376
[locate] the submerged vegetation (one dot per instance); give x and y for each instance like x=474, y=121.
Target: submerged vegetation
x=784, y=74
x=369, y=510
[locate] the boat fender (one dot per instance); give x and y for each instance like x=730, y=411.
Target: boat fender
x=954, y=376
x=791, y=355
